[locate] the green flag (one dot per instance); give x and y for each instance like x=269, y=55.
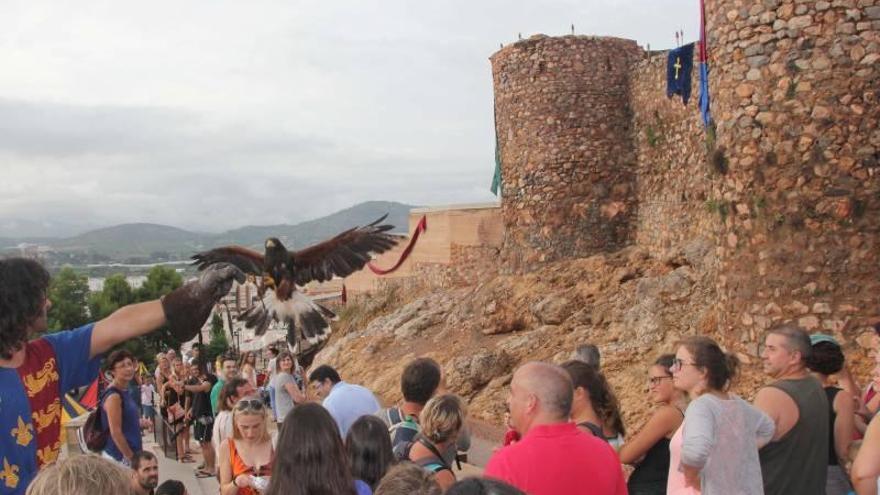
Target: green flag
x=496, y=177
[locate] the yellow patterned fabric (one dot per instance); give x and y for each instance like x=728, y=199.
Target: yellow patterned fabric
x=36, y=382
x=23, y=432
x=48, y=416
x=9, y=475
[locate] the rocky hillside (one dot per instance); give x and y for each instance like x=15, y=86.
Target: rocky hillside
x=634, y=307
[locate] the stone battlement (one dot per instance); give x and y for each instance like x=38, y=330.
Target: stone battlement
x=595, y=158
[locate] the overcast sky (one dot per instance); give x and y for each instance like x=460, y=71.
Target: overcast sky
x=210, y=115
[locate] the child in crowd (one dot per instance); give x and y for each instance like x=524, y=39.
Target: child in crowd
x=148, y=391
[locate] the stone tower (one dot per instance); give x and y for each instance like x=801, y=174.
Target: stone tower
x=568, y=164
x=795, y=87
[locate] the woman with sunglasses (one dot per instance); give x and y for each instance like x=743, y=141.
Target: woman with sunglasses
x=246, y=459
x=648, y=449
x=715, y=451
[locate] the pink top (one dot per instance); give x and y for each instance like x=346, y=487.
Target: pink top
x=675, y=485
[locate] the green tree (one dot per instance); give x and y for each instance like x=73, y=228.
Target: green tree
x=68, y=292
x=160, y=281
x=219, y=343
x=116, y=294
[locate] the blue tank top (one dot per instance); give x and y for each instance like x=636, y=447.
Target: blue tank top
x=131, y=426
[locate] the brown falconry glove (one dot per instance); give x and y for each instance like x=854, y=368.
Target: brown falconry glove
x=188, y=307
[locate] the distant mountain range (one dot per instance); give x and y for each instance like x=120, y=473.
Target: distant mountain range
x=152, y=242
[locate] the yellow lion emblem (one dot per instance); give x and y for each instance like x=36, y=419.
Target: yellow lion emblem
x=49, y=454
x=36, y=382
x=48, y=416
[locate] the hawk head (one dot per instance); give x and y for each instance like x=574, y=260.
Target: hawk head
x=277, y=260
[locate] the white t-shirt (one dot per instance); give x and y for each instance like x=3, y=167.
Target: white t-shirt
x=271, y=370
x=222, y=428
x=147, y=391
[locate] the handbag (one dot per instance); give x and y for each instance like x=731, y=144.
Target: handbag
x=175, y=413
x=93, y=433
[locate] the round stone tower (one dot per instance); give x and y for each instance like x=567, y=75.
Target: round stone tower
x=563, y=124
x=795, y=88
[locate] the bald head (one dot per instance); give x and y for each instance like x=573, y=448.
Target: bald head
x=550, y=384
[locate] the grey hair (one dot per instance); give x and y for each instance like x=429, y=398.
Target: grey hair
x=796, y=339
x=550, y=384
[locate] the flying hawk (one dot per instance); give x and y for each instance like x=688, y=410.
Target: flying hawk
x=280, y=271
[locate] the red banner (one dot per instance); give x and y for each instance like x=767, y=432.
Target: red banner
x=421, y=227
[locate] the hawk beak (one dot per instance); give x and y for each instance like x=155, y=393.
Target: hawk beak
x=269, y=281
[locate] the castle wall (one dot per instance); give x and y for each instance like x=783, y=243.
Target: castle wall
x=459, y=247
x=595, y=157
x=563, y=122
x=795, y=87
x=674, y=178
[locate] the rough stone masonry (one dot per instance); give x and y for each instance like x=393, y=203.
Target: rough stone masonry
x=785, y=187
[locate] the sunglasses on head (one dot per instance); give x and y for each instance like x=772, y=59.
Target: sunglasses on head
x=253, y=404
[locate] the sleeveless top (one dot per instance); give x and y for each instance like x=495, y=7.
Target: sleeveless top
x=797, y=462
x=239, y=467
x=831, y=394
x=654, y=468
x=131, y=423
x=675, y=484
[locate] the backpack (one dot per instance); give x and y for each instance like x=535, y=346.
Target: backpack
x=93, y=434
x=403, y=431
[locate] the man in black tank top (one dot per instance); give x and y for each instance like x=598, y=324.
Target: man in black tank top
x=795, y=460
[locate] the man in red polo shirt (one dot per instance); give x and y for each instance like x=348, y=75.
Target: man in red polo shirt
x=553, y=457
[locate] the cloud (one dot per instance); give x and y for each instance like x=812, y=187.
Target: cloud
x=214, y=114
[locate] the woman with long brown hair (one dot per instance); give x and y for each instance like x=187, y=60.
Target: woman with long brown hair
x=247, y=367
x=174, y=398
x=594, y=407
x=314, y=459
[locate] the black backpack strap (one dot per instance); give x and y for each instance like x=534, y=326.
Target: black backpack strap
x=433, y=464
x=595, y=429
x=108, y=392
x=438, y=457
x=394, y=416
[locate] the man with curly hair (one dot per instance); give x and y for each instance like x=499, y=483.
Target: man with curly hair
x=35, y=373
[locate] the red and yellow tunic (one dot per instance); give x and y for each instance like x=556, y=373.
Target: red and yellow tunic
x=30, y=403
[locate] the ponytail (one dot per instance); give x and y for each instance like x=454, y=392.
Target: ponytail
x=720, y=367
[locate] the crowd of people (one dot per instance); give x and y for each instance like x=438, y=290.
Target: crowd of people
x=296, y=431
